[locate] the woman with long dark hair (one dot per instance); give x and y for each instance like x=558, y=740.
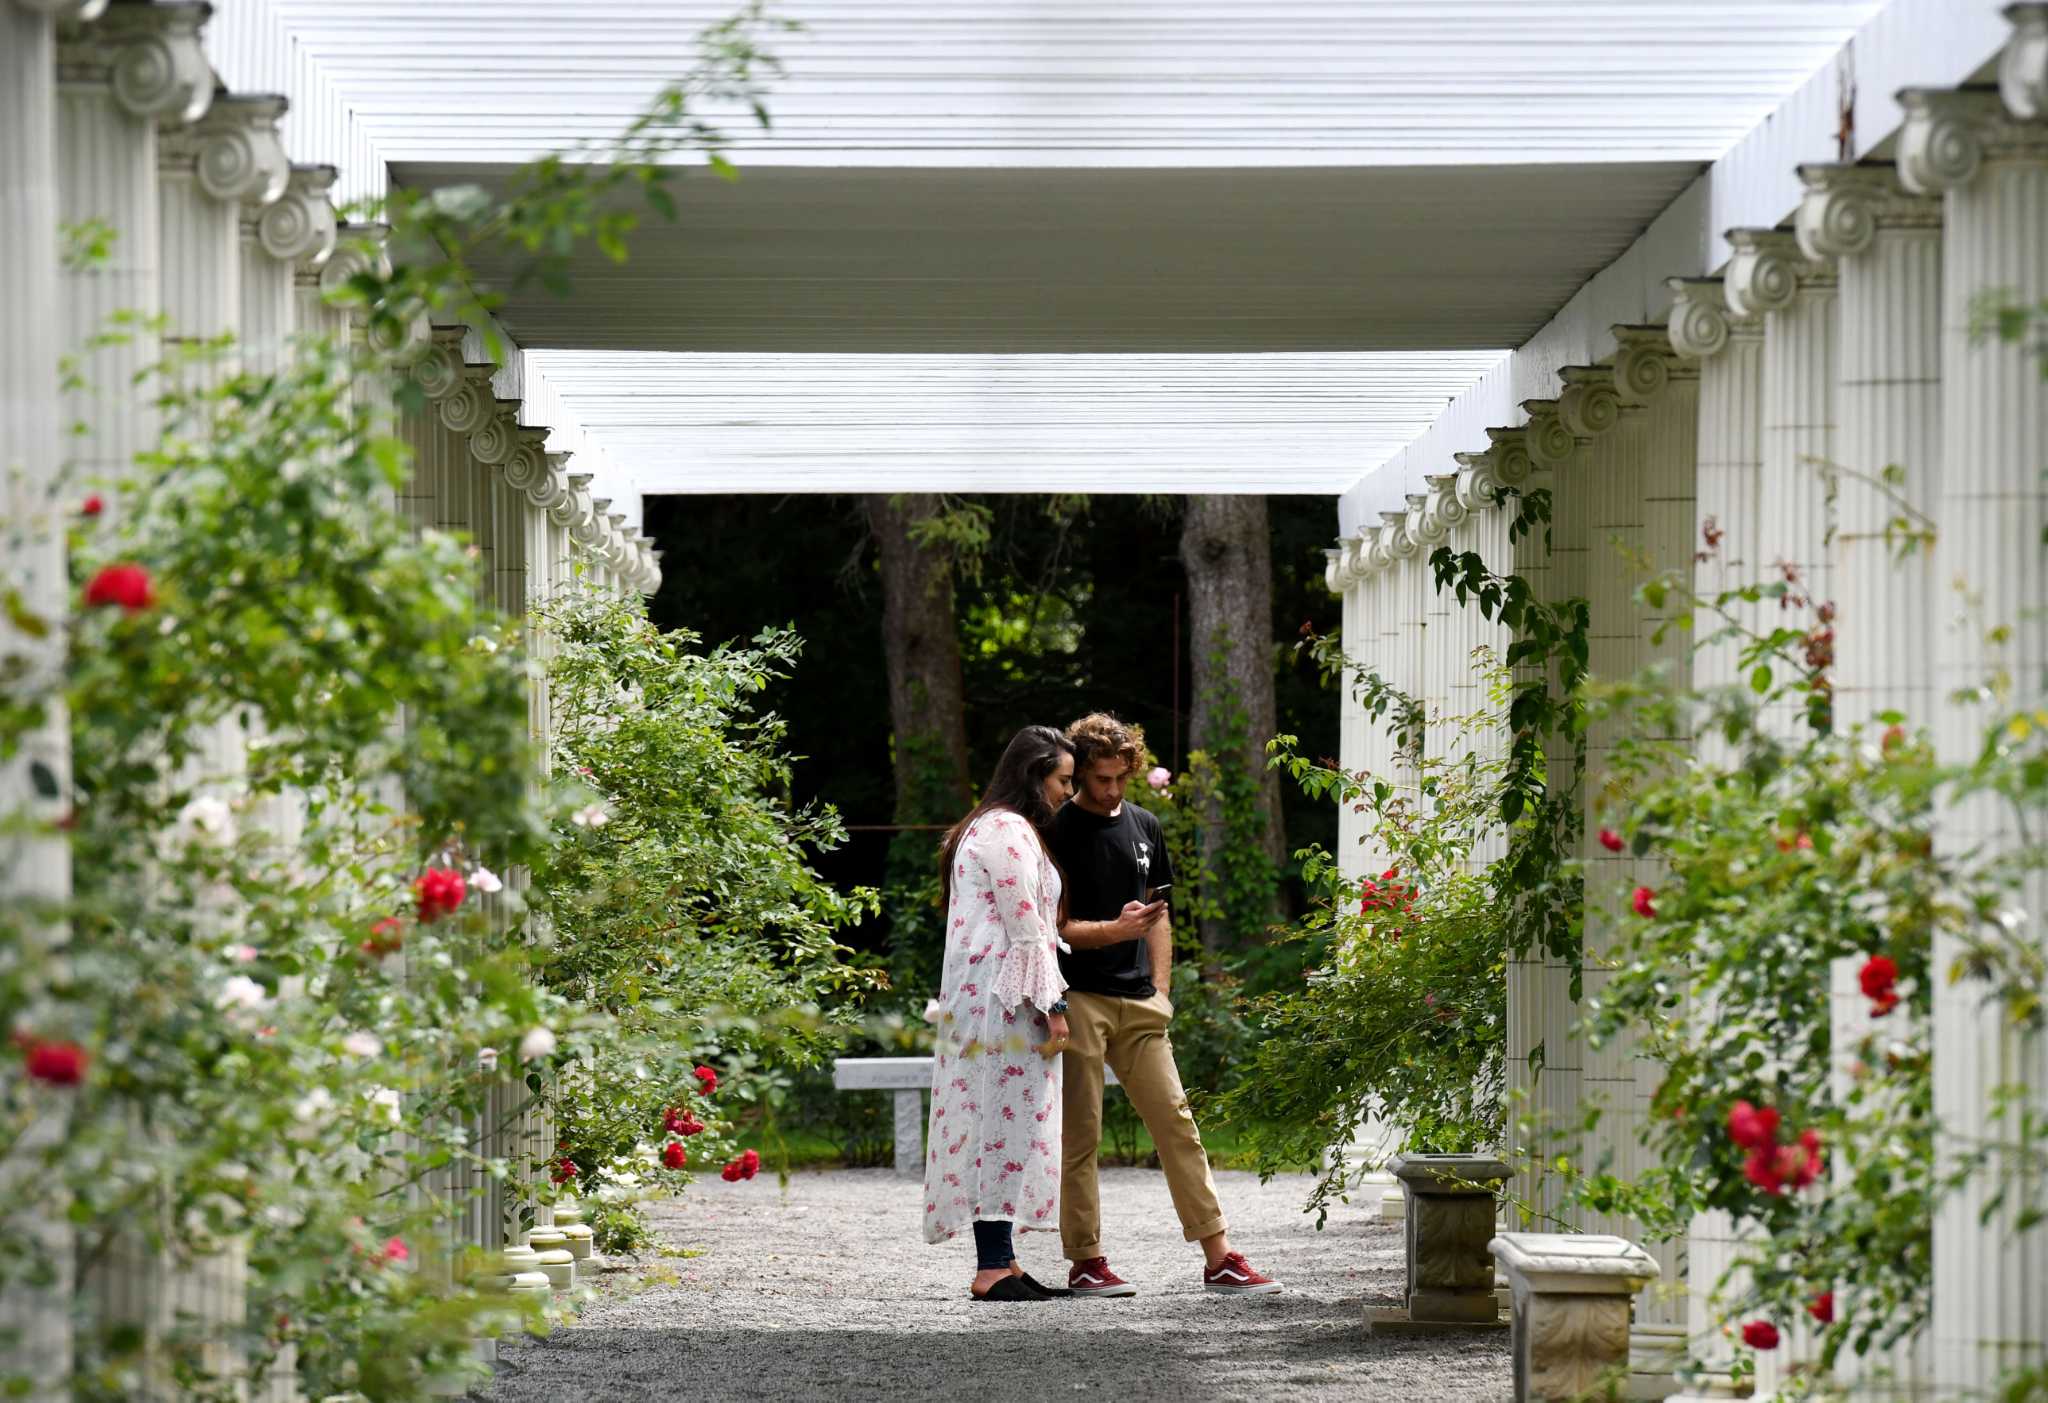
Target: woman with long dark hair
x=1001, y=1021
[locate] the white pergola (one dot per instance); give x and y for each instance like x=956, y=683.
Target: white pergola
x=1655, y=259
x=1063, y=201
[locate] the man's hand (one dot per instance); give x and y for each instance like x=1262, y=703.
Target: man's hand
x=1137, y=921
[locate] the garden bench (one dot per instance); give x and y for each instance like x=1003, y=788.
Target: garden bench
x=907, y=1077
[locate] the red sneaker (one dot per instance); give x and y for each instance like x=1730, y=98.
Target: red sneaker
x=1234, y=1276
x=1094, y=1278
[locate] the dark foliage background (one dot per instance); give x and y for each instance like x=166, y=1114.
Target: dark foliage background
x=1073, y=610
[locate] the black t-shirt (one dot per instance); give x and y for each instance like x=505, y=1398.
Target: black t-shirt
x=1107, y=862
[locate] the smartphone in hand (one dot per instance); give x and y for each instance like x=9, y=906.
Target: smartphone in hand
x=1155, y=895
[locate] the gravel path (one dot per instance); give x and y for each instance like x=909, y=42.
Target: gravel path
x=826, y=1291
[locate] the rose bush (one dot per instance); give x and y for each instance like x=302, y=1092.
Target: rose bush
x=285, y=1010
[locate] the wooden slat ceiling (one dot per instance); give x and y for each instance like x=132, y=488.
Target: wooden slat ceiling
x=1152, y=261
x=1068, y=195
x=1098, y=82
x=1005, y=423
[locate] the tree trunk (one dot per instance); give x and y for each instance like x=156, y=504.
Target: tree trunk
x=927, y=705
x=1224, y=547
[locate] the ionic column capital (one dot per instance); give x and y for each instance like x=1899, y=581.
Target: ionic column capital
x=440, y=370
x=2023, y=67
x=575, y=503
x=492, y=441
x=1334, y=579
x=1394, y=537
x=1767, y=268
x=1446, y=509
x=301, y=227
x=1701, y=322
x=1372, y=550
x=1644, y=363
x=526, y=466
x=470, y=405
x=1477, y=487
x=235, y=149
x=1589, y=405
x=1845, y=205
x=1423, y=526
x=553, y=488
x=149, y=56
x=1949, y=134
x=1549, y=442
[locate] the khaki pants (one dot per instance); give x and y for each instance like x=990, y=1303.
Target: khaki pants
x=1130, y=1035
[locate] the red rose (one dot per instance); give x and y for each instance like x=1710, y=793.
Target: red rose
x=1611, y=840
x=1823, y=1308
x=707, y=1081
x=440, y=891
x=565, y=1170
x=673, y=1155
x=395, y=1250
x=1761, y=1169
x=1878, y=976
x=92, y=506
x=1810, y=1162
x=1760, y=1334
x=731, y=1173
x=1643, y=900
x=689, y=1125
x=750, y=1164
x=672, y=1122
x=1750, y=1127
x=125, y=585
x=58, y=1063
x=387, y=937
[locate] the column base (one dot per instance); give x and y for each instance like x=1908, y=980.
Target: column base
x=1392, y=1320
x=1654, y=1354
x=1716, y=1389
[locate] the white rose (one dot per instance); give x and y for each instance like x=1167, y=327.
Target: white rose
x=485, y=880
x=385, y=1103
x=314, y=1105
x=538, y=1042
x=487, y=1058
x=239, y=993
x=361, y=1044
x=207, y=819
x=590, y=816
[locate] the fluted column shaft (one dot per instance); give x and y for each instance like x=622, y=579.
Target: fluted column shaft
x=33, y=867
x=1990, y=1275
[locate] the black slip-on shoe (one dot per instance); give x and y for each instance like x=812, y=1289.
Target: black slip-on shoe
x=1010, y=1288
x=1050, y=1292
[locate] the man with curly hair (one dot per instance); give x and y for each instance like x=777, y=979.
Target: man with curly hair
x=1113, y=855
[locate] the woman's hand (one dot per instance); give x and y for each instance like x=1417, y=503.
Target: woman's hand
x=1056, y=1036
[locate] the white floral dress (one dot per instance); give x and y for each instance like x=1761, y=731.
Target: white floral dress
x=994, y=1135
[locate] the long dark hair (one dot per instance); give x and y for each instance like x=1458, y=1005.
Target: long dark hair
x=1018, y=785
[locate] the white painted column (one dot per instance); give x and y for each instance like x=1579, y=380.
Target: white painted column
x=1888, y=243
x=34, y=867
x=1768, y=275
x=1646, y=371
x=1729, y=348
x=1888, y=246
x=139, y=67
x=1555, y=444
x=1989, y=163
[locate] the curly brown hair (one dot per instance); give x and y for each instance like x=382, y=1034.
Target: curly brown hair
x=1099, y=735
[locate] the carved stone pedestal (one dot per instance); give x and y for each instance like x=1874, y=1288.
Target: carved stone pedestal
x=1450, y=1202
x=1572, y=1294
